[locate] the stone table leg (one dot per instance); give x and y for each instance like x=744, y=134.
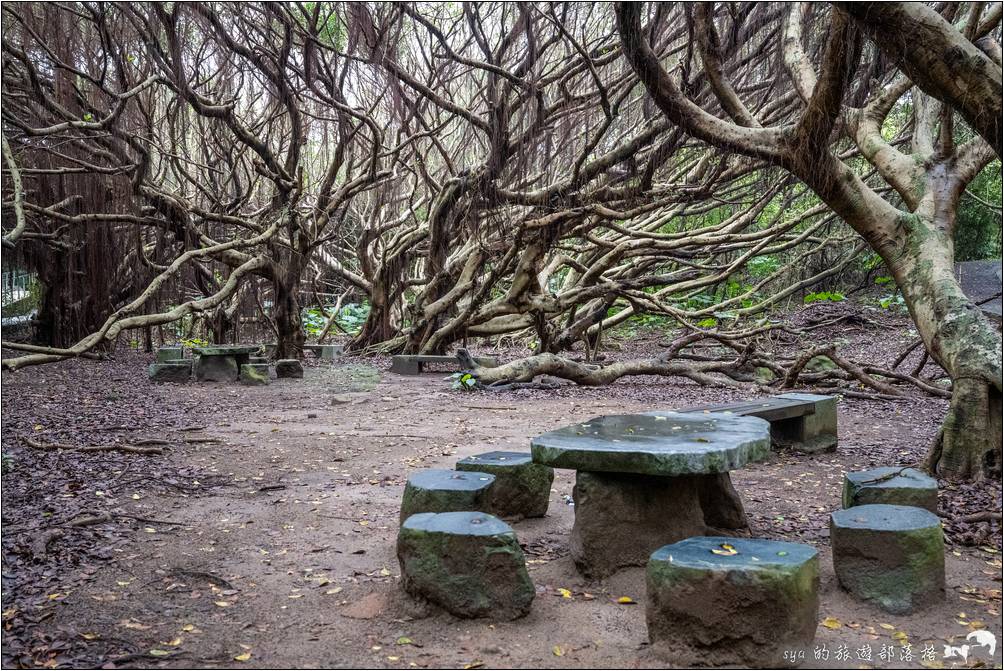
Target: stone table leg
x=216, y=368
x=621, y=518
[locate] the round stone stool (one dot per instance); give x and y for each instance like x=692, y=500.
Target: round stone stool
x=441, y=491
x=468, y=563
x=720, y=601
x=891, y=556
x=893, y=485
x=522, y=488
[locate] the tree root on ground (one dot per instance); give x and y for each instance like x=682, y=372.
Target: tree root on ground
x=131, y=449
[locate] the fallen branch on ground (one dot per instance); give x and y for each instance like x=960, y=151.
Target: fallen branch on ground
x=131, y=449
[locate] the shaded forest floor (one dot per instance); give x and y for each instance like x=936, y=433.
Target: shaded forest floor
x=264, y=534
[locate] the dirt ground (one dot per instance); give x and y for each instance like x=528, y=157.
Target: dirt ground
x=274, y=547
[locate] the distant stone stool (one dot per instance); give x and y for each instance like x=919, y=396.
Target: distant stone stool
x=254, y=374
x=893, y=485
x=892, y=556
x=175, y=371
x=719, y=601
x=437, y=490
x=165, y=354
x=288, y=368
x=522, y=488
x=469, y=563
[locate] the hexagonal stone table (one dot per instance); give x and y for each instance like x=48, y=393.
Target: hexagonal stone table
x=891, y=556
x=469, y=563
x=719, y=601
x=646, y=480
x=436, y=490
x=893, y=485
x=522, y=488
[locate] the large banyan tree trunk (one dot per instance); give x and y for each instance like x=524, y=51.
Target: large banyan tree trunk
x=964, y=342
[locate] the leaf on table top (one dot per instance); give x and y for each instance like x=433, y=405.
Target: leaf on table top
x=565, y=593
x=832, y=623
x=243, y=657
x=626, y=600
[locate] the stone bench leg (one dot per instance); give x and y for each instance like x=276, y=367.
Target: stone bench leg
x=812, y=433
x=621, y=518
x=217, y=369
x=403, y=366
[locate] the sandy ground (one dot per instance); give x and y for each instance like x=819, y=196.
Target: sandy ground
x=288, y=559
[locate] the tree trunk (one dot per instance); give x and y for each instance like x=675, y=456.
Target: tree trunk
x=964, y=342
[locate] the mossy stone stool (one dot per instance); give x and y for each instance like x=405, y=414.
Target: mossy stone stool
x=522, y=488
x=437, y=490
x=288, y=368
x=720, y=601
x=254, y=374
x=891, y=556
x=469, y=563
x=891, y=484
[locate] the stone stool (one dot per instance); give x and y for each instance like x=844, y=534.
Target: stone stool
x=165, y=354
x=469, y=563
x=437, y=490
x=522, y=488
x=174, y=371
x=892, y=556
x=720, y=601
x=254, y=374
x=288, y=368
x=891, y=484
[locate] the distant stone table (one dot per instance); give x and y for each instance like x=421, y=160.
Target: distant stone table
x=222, y=363
x=643, y=481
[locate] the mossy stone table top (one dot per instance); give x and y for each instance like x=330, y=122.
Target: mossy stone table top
x=668, y=444
x=226, y=350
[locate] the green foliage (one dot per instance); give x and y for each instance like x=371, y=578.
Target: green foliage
x=818, y=296
x=708, y=323
x=893, y=302
x=193, y=342
x=978, y=227
x=762, y=266
x=885, y=279
x=350, y=318
x=463, y=381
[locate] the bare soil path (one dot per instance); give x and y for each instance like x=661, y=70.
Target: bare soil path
x=274, y=546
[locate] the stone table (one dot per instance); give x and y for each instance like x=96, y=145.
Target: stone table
x=222, y=363
x=643, y=481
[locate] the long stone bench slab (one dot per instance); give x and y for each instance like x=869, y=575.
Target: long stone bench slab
x=413, y=364
x=805, y=422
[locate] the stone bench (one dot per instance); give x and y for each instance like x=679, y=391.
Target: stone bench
x=469, y=563
x=805, y=422
x=254, y=374
x=325, y=351
x=437, y=490
x=719, y=601
x=522, y=488
x=890, y=556
x=413, y=364
x=893, y=485
x=172, y=371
